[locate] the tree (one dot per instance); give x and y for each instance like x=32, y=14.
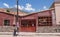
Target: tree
x=7, y=10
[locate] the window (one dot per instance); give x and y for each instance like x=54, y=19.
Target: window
x=6, y=22
x=44, y=21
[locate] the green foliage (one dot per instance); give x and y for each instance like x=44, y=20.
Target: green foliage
x=7, y=11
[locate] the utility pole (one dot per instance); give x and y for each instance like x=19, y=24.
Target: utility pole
x=17, y=22
x=17, y=13
x=17, y=16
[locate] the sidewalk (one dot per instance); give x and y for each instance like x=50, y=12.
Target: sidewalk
x=29, y=34
x=25, y=36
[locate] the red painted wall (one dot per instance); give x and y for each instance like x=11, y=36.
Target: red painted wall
x=4, y=16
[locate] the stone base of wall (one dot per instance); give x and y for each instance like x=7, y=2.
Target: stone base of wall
x=6, y=28
x=48, y=29
x=41, y=29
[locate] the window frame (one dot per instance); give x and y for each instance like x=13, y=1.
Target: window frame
x=48, y=23
x=8, y=23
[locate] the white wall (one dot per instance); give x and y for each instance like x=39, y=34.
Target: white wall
x=53, y=17
x=57, y=11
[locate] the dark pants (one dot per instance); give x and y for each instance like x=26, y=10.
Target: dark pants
x=15, y=32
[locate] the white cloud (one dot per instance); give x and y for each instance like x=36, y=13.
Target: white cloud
x=5, y=4
x=19, y=7
x=39, y=9
x=44, y=7
x=29, y=7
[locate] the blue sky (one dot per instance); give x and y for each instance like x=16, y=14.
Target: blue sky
x=27, y=5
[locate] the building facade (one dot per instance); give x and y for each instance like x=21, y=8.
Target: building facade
x=57, y=11
x=46, y=21
x=28, y=23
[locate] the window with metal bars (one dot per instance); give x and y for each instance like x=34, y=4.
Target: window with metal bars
x=44, y=21
x=6, y=22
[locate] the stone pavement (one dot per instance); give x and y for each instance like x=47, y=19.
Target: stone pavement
x=29, y=34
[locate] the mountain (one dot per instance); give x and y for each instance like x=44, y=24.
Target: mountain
x=14, y=10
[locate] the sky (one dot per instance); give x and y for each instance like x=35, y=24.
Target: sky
x=27, y=5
